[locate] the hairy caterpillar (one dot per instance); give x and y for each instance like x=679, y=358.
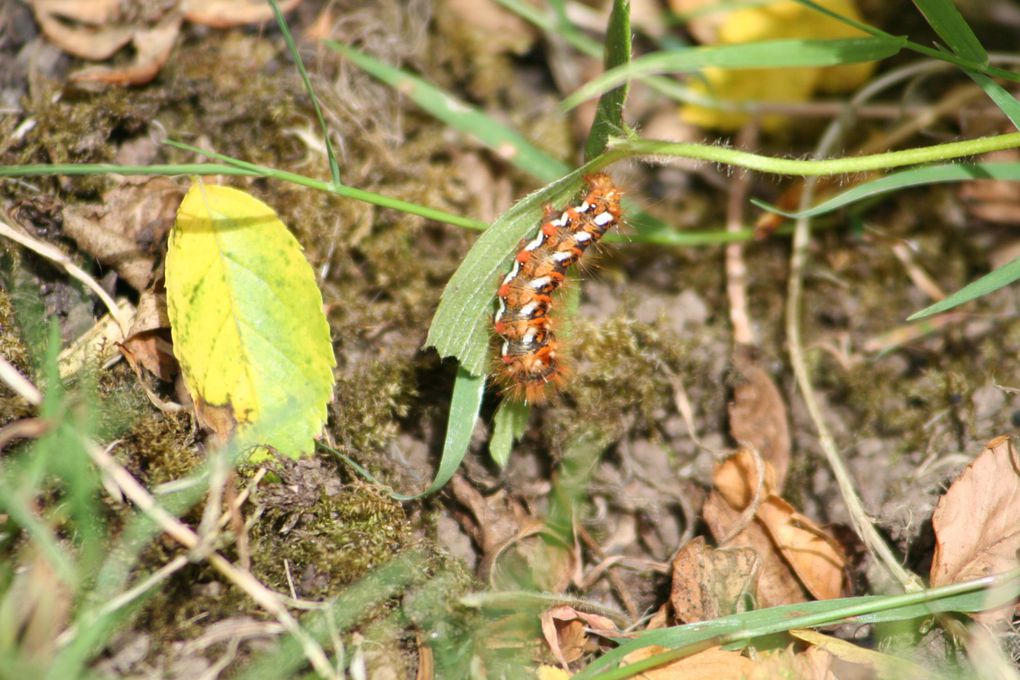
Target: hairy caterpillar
x=529, y=361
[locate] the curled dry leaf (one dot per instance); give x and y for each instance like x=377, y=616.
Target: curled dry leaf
x=153, y=45
x=566, y=631
x=758, y=417
x=977, y=522
x=98, y=29
x=84, y=28
x=125, y=231
x=710, y=582
x=813, y=555
x=148, y=341
x=714, y=663
x=777, y=583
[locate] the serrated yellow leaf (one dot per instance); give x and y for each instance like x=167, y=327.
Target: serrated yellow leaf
x=247, y=321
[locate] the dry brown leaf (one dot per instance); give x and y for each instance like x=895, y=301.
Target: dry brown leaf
x=153, y=46
x=125, y=231
x=710, y=582
x=148, y=343
x=777, y=583
x=814, y=555
x=736, y=479
x=758, y=417
x=84, y=28
x=566, y=632
x=977, y=522
x=714, y=663
x=886, y=664
x=228, y=13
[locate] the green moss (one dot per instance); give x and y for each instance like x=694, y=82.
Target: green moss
x=326, y=536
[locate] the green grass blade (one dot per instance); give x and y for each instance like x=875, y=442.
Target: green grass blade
x=334, y=167
x=460, y=327
x=950, y=25
x=468, y=390
x=990, y=282
x=508, y=426
x=764, y=54
x=459, y=115
x=902, y=180
x=969, y=596
x=1006, y=102
x=609, y=113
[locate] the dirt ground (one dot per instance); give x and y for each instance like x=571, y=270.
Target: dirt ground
x=653, y=337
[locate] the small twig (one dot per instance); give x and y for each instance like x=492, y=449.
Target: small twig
x=180, y=532
x=21, y=385
x=55, y=255
x=736, y=268
x=798, y=259
x=25, y=428
x=748, y=514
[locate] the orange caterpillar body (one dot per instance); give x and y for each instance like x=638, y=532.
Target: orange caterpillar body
x=529, y=363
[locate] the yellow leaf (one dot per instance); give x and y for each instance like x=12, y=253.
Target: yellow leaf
x=247, y=322
x=775, y=21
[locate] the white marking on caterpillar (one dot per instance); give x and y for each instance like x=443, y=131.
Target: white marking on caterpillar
x=582, y=236
x=528, y=309
x=514, y=271
x=602, y=219
x=541, y=282
x=536, y=242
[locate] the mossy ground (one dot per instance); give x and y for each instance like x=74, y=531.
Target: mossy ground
x=652, y=319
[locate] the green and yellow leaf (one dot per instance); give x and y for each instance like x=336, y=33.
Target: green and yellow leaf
x=247, y=322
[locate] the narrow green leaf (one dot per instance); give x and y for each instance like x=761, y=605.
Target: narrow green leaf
x=764, y=54
x=609, y=113
x=464, y=405
x=460, y=327
x=511, y=145
x=990, y=282
x=1006, y=102
x=508, y=426
x=900, y=180
x=970, y=596
x=950, y=25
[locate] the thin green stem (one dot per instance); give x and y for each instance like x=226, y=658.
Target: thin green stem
x=627, y=148
x=236, y=167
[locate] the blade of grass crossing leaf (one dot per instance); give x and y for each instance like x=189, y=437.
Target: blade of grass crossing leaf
x=508, y=426
x=946, y=20
x=464, y=406
x=991, y=282
x=512, y=146
x=609, y=113
x=764, y=54
x=901, y=180
x=334, y=167
x=1006, y=102
x=969, y=596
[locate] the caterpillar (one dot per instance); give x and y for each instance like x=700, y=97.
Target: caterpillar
x=530, y=365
